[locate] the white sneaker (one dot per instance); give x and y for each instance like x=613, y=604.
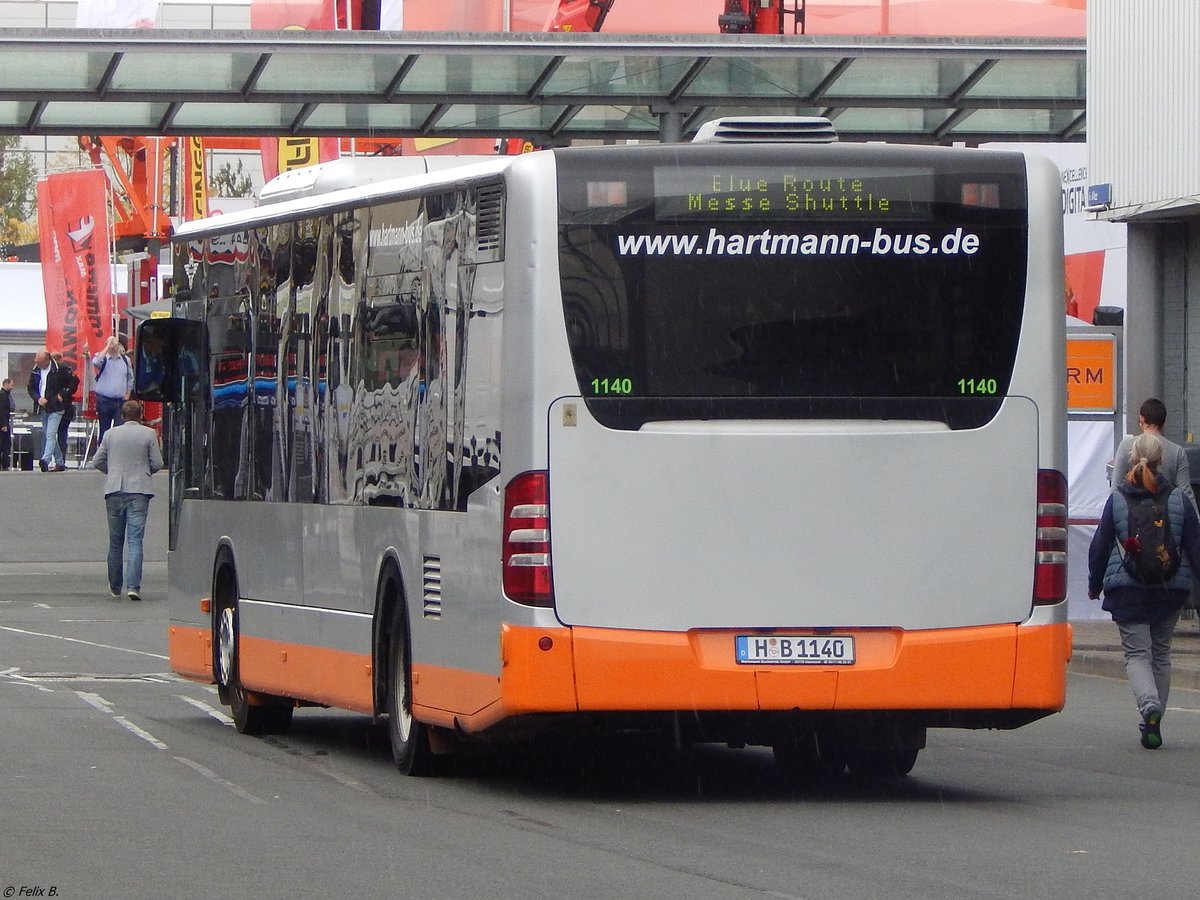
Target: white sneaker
x=135, y=594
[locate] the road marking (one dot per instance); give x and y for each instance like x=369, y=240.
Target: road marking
x=96, y=678
x=204, y=707
x=218, y=780
x=79, y=641
x=14, y=675
x=105, y=707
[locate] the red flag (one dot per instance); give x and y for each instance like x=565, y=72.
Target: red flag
x=76, y=278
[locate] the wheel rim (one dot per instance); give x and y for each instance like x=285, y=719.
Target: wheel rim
x=403, y=712
x=225, y=646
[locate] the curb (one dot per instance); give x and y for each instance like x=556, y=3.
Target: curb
x=1111, y=664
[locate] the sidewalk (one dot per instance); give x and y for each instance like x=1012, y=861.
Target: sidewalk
x=1097, y=651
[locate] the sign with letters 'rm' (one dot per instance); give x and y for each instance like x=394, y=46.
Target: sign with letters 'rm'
x=1091, y=373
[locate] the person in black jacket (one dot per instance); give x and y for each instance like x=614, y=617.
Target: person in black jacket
x=6, y=411
x=51, y=387
x=1145, y=614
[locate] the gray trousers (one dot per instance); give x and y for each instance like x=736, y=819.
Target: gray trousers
x=1148, y=662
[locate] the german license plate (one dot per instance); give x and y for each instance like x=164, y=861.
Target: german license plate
x=794, y=649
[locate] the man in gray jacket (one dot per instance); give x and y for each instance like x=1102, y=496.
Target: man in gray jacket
x=1152, y=417
x=128, y=456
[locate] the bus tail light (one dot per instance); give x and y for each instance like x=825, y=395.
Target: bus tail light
x=526, y=549
x=1050, y=568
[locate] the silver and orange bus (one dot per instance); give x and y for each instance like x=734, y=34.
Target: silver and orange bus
x=760, y=444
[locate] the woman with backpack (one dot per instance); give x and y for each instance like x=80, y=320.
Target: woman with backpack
x=1142, y=556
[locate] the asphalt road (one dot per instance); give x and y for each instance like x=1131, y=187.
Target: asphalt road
x=120, y=780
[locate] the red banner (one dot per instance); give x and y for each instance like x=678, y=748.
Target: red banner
x=308, y=15
x=76, y=278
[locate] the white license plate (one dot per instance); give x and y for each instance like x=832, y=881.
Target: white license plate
x=794, y=649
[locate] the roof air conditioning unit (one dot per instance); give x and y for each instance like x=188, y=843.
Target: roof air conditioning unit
x=766, y=130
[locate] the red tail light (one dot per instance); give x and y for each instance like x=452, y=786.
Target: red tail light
x=1050, y=568
x=526, y=552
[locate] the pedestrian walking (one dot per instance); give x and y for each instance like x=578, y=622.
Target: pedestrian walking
x=128, y=456
x=1152, y=418
x=1142, y=557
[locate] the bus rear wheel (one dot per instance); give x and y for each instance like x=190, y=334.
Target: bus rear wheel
x=883, y=762
x=409, y=738
x=248, y=717
x=814, y=755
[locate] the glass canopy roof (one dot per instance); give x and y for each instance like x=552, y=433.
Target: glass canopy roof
x=547, y=88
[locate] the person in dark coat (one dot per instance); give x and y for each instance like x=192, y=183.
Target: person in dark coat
x=68, y=416
x=51, y=387
x=1145, y=614
x=7, y=409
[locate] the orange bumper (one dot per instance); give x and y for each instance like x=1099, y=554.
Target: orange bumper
x=550, y=670
x=588, y=669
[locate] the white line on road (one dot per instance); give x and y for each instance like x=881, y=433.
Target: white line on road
x=15, y=676
x=105, y=707
x=217, y=779
x=79, y=641
x=204, y=707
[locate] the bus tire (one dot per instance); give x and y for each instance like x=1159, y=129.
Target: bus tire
x=883, y=762
x=813, y=755
x=409, y=738
x=270, y=715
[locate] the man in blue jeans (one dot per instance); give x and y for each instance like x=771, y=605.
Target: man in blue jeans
x=128, y=456
x=114, y=383
x=51, y=387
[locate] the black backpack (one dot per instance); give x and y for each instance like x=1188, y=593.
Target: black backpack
x=1149, y=553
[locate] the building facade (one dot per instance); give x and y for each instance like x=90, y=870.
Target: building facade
x=1144, y=170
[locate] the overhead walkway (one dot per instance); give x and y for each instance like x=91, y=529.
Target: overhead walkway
x=548, y=88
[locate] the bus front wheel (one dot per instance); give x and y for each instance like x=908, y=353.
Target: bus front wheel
x=248, y=717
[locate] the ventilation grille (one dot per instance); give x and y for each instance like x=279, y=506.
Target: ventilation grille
x=766, y=130
x=431, y=587
x=489, y=210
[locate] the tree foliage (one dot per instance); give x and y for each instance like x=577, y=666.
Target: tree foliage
x=18, y=193
x=230, y=182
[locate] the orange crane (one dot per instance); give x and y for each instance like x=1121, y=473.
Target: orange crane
x=761, y=16
x=579, y=15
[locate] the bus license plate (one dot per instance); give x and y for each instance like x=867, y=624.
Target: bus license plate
x=794, y=649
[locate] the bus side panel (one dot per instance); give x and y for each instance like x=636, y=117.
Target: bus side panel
x=1040, y=369
x=189, y=574
x=333, y=560
x=189, y=648
x=274, y=574
x=314, y=655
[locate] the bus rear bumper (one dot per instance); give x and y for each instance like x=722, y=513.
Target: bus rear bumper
x=961, y=670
